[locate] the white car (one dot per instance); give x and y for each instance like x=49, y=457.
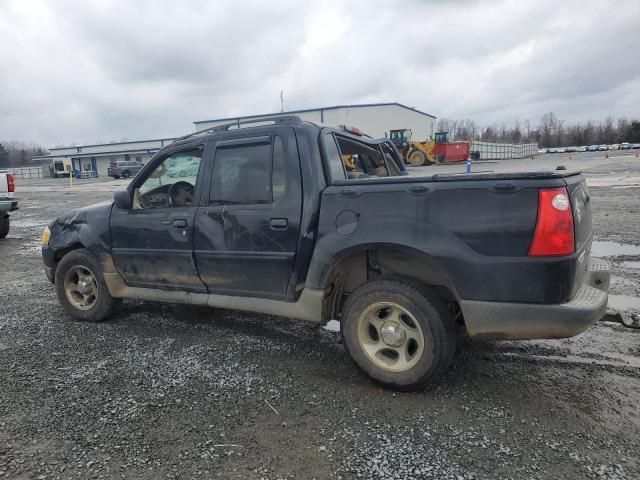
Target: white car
x=581, y=149
x=603, y=147
x=561, y=150
x=543, y=150
x=615, y=146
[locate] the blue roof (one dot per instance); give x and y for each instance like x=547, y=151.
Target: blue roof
x=333, y=107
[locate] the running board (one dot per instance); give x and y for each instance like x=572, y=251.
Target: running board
x=308, y=307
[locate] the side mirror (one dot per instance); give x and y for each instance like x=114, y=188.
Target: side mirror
x=122, y=199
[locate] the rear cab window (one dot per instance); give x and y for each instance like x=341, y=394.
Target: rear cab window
x=352, y=159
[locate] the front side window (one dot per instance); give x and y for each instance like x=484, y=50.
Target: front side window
x=241, y=175
x=173, y=182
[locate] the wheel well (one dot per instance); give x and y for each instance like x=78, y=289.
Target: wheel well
x=63, y=251
x=357, y=268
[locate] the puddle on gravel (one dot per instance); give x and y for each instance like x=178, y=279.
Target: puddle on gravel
x=615, y=361
x=332, y=326
x=624, y=302
x=631, y=265
x=612, y=249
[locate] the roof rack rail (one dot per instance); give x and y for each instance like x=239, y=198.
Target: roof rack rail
x=278, y=119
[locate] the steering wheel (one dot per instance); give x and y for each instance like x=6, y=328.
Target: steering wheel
x=180, y=194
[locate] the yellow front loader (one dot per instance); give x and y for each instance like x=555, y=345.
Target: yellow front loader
x=413, y=152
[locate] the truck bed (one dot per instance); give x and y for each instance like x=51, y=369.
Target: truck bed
x=476, y=228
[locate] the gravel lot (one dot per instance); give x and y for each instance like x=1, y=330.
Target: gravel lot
x=164, y=391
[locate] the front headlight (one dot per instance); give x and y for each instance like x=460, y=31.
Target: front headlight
x=46, y=234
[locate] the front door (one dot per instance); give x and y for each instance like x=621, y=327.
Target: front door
x=246, y=237
x=152, y=244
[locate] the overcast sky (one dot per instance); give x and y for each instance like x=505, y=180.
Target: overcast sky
x=91, y=71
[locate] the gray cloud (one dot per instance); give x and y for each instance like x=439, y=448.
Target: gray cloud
x=85, y=71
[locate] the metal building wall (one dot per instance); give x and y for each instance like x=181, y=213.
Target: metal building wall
x=374, y=120
x=377, y=121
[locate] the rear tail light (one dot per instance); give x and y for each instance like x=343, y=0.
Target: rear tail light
x=10, y=184
x=554, y=228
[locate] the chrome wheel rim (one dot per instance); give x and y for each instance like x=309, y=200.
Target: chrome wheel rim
x=390, y=337
x=81, y=287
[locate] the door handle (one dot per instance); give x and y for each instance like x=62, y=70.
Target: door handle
x=349, y=192
x=180, y=223
x=418, y=189
x=279, y=223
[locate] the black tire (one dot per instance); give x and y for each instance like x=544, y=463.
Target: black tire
x=116, y=177
x=426, y=307
x=416, y=158
x=4, y=226
x=440, y=159
x=126, y=174
x=104, y=303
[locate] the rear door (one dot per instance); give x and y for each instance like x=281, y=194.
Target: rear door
x=246, y=235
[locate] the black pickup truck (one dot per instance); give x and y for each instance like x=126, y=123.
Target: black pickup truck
x=315, y=223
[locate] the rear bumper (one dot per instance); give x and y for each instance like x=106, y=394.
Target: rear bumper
x=523, y=321
x=8, y=205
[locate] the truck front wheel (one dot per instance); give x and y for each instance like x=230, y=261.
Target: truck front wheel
x=4, y=226
x=398, y=332
x=81, y=289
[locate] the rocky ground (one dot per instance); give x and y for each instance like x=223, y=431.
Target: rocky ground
x=163, y=391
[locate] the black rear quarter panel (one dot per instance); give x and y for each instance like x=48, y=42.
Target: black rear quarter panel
x=475, y=229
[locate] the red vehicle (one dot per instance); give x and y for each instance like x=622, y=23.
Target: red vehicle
x=445, y=151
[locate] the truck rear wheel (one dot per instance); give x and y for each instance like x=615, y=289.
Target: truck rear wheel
x=417, y=158
x=81, y=289
x=398, y=332
x=4, y=226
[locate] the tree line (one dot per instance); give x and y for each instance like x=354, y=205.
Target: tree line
x=551, y=131
x=19, y=154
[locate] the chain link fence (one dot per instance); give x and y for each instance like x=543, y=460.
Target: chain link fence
x=497, y=151
x=24, y=173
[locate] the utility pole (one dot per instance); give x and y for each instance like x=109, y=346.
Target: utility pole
x=281, y=101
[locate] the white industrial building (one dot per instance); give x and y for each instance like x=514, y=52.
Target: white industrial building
x=96, y=158
x=374, y=119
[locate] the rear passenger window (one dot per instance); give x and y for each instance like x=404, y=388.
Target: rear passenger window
x=241, y=175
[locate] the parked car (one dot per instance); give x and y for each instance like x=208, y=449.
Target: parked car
x=552, y=150
x=581, y=149
x=625, y=146
x=543, y=150
x=8, y=202
x=614, y=146
x=593, y=148
x=220, y=218
x=124, y=168
x=635, y=146
x=603, y=147
x=561, y=150
x=571, y=149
